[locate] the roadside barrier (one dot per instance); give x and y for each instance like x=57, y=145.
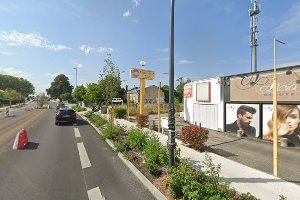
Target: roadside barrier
x=21, y=140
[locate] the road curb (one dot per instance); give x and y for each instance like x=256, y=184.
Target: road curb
x=154, y=191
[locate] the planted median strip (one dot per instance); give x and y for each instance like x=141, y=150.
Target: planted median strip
x=146, y=153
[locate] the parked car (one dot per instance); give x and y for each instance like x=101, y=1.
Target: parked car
x=65, y=115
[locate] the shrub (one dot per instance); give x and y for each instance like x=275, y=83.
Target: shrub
x=122, y=146
x=142, y=120
x=113, y=132
x=194, y=135
x=120, y=113
x=155, y=155
x=98, y=121
x=88, y=114
x=137, y=138
x=79, y=108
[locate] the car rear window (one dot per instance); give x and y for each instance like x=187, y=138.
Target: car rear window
x=66, y=112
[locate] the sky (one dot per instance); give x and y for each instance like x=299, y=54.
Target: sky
x=40, y=39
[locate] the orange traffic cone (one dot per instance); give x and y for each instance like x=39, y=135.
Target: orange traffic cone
x=21, y=140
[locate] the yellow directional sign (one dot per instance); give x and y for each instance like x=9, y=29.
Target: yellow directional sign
x=142, y=74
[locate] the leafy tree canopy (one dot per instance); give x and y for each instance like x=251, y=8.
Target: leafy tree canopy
x=180, y=87
x=79, y=93
x=20, y=85
x=59, y=86
x=110, y=80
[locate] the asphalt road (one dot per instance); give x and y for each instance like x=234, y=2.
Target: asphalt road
x=58, y=165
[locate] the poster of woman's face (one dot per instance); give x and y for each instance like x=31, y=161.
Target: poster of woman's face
x=243, y=118
x=288, y=119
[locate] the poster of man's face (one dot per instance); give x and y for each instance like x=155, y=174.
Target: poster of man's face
x=243, y=118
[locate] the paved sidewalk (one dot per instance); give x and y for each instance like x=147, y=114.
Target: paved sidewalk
x=243, y=178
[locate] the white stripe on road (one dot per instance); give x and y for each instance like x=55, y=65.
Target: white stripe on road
x=95, y=194
x=84, y=159
x=77, y=133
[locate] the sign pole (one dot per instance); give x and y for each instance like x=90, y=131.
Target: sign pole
x=128, y=104
x=142, y=95
x=275, y=138
x=158, y=107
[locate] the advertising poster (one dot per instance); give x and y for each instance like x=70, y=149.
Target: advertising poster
x=243, y=118
x=188, y=90
x=288, y=123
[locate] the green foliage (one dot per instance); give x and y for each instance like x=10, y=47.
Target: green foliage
x=137, y=138
x=93, y=94
x=155, y=155
x=142, y=120
x=110, y=80
x=113, y=132
x=66, y=96
x=194, y=135
x=123, y=146
x=120, y=113
x=60, y=85
x=20, y=85
x=97, y=120
x=180, y=87
x=79, y=93
x=78, y=108
x=282, y=197
x=165, y=90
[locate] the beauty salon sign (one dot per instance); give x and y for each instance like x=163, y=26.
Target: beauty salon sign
x=259, y=87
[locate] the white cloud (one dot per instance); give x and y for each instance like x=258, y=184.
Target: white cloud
x=127, y=13
x=163, y=50
x=185, y=62
x=15, y=38
x=88, y=49
x=136, y=2
x=292, y=23
x=13, y=72
x=53, y=75
x=78, y=65
x=7, y=53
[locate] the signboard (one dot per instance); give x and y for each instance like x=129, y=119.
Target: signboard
x=288, y=123
x=243, y=117
x=188, y=90
x=141, y=73
x=203, y=92
x=259, y=87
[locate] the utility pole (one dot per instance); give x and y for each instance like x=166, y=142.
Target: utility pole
x=253, y=12
x=76, y=68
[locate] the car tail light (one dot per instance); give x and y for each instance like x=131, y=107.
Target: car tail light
x=58, y=114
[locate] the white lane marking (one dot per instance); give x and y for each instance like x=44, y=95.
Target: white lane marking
x=95, y=194
x=77, y=133
x=84, y=159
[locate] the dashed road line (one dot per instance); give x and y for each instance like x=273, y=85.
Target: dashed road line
x=95, y=194
x=77, y=133
x=84, y=159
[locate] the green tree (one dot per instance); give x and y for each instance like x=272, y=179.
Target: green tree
x=93, y=94
x=165, y=90
x=13, y=96
x=180, y=87
x=20, y=85
x=66, y=96
x=110, y=80
x=79, y=93
x=59, y=86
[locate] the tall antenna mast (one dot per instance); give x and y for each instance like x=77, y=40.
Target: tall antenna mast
x=253, y=12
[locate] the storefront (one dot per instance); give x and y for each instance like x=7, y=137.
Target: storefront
x=243, y=104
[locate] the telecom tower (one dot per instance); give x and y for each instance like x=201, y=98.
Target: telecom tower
x=253, y=12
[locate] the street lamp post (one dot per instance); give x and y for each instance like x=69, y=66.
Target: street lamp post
x=275, y=128
x=171, y=120
x=76, y=68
